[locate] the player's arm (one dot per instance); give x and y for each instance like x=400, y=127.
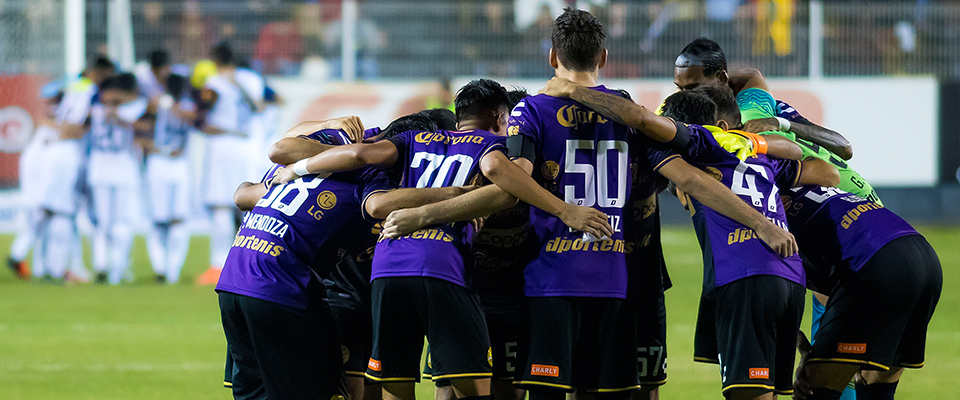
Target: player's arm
x=780, y=147
x=814, y=171
x=475, y=204
x=382, y=204
x=289, y=150
x=248, y=194
x=382, y=154
x=351, y=125
x=617, y=109
x=745, y=79
x=807, y=130
x=718, y=197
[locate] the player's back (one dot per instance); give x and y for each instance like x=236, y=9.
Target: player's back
x=112, y=159
x=731, y=250
x=582, y=158
x=280, y=239
x=837, y=230
x=434, y=159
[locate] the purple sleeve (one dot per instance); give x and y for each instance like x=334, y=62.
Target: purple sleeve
x=525, y=123
x=787, y=172
x=371, y=181
x=270, y=172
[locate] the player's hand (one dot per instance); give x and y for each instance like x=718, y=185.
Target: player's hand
x=282, y=176
x=761, y=125
x=477, y=223
x=403, y=222
x=559, y=87
x=586, y=219
x=781, y=241
x=351, y=125
x=801, y=387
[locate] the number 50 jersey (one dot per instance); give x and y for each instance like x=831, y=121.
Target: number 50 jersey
x=584, y=159
x=434, y=159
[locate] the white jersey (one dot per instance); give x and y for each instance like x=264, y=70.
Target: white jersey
x=170, y=133
x=147, y=83
x=77, y=99
x=112, y=153
x=233, y=108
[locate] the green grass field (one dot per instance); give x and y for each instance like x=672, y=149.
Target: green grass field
x=144, y=341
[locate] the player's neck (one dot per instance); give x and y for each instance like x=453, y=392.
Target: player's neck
x=583, y=78
x=471, y=124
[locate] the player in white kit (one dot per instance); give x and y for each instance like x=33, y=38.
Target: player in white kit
x=60, y=195
x=227, y=126
x=33, y=175
x=114, y=173
x=168, y=172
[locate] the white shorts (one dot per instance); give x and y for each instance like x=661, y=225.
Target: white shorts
x=113, y=169
x=61, y=192
x=224, y=169
x=168, y=180
x=34, y=171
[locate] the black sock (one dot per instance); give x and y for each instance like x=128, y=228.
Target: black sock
x=825, y=394
x=547, y=394
x=487, y=397
x=876, y=391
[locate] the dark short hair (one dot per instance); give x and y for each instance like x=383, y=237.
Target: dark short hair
x=124, y=81
x=159, y=58
x=406, y=123
x=722, y=96
x=176, y=85
x=442, y=117
x=102, y=63
x=222, y=54
x=478, y=97
x=578, y=40
x=707, y=53
x=514, y=96
x=690, y=107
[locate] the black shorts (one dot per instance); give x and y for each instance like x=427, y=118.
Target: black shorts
x=504, y=337
x=749, y=327
x=405, y=309
x=355, y=327
x=578, y=343
x=652, y=340
x=281, y=352
x=877, y=317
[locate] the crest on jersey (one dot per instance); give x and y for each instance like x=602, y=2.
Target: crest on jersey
x=550, y=170
x=715, y=173
x=326, y=200
x=346, y=353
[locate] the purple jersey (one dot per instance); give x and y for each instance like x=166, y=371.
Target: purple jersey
x=434, y=159
x=584, y=159
x=731, y=251
x=281, y=238
x=837, y=230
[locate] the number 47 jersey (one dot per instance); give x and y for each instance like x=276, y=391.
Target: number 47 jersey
x=582, y=158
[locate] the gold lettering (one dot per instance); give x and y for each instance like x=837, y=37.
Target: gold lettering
x=552, y=245
x=276, y=251
x=606, y=245
x=577, y=244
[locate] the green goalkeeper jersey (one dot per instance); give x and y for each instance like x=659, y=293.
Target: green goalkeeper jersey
x=758, y=103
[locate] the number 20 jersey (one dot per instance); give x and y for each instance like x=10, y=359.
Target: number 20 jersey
x=582, y=158
x=434, y=159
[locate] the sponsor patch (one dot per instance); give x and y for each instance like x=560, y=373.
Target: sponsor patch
x=374, y=365
x=545, y=370
x=852, y=348
x=759, y=373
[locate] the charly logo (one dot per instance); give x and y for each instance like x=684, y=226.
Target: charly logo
x=550, y=170
x=16, y=125
x=326, y=200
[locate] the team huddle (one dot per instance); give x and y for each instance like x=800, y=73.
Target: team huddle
x=105, y=128
x=519, y=235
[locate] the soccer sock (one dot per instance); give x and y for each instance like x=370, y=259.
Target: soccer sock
x=222, y=233
x=27, y=236
x=60, y=237
x=876, y=391
x=178, y=243
x=39, y=266
x=546, y=394
x=100, y=247
x=825, y=394
x=157, y=242
x=77, y=266
x=122, y=236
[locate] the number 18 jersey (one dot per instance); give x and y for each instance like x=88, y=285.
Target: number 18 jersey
x=434, y=159
x=582, y=158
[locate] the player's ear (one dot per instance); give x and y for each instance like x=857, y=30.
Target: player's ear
x=722, y=77
x=722, y=124
x=603, y=59
x=554, y=63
